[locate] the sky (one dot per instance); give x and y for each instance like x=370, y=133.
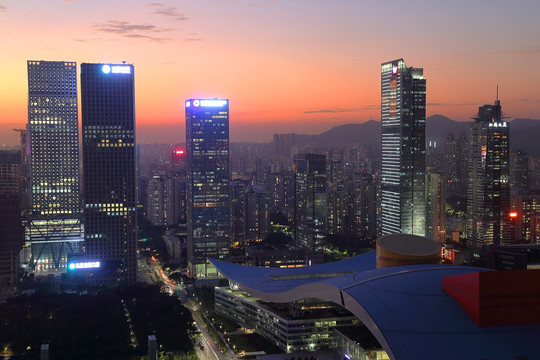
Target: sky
x=299, y=66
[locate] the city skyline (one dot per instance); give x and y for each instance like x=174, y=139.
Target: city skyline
x=297, y=66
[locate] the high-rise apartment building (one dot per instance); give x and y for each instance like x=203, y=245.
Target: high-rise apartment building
x=403, y=138
x=53, y=220
x=455, y=158
x=281, y=194
x=488, y=194
x=108, y=131
x=208, y=198
x=165, y=194
x=310, y=199
x=520, y=168
x=435, y=205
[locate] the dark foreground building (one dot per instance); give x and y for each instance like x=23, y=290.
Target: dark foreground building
x=11, y=231
x=108, y=131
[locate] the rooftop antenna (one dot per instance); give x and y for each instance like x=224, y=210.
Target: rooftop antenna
x=497, y=92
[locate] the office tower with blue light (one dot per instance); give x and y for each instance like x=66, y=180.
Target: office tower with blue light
x=53, y=218
x=109, y=171
x=208, y=193
x=403, y=137
x=488, y=193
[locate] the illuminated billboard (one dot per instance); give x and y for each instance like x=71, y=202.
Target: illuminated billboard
x=84, y=265
x=116, y=69
x=206, y=103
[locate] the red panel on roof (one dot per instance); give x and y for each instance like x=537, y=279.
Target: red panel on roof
x=493, y=298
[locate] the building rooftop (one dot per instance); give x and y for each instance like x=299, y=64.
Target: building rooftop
x=404, y=307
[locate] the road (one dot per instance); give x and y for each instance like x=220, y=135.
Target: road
x=210, y=350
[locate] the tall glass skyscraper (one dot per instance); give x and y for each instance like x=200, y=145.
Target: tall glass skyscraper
x=208, y=193
x=488, y=195
x=403, y=138
x=108, y=131
x=53, y=226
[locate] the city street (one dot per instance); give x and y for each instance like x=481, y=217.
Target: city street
x=209, y=350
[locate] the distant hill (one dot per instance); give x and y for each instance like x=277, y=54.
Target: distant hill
x=523, y=133
x=439, y=126
x=368, y=134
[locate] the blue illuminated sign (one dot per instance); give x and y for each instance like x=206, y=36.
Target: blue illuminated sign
x=116, y=69
x=84, y=265
x=213, y=103
x=207, y=103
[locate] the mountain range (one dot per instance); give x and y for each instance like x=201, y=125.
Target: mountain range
x=524, y=133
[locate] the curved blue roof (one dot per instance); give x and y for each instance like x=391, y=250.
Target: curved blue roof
x=404, y=306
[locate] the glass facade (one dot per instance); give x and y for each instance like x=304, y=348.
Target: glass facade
x=403, y=120
x=53, y=227
x=488, y=195
x=308, y=325
x=208, y=198
x=108, y=131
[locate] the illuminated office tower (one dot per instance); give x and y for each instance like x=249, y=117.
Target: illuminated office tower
x=53, y=226
x=109, y=172
x=208, y=203
x=488, y=193
x=403, y=138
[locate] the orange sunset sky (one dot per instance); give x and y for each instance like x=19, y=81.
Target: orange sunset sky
x=286, y=65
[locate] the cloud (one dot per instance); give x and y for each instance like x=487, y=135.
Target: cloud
x=193, y=39
x=261, y=3
x=169, y=11
x=335, y=111
x=529, y=52
x=452, y=104
x=135, y=31
x=88, y=40
x=529, y=101
x=3, y=9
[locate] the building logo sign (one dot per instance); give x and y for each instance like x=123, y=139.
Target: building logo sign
x=116, y=69
x=498, y=124
x=394, y=69
x=84, y=265
x=207, y=103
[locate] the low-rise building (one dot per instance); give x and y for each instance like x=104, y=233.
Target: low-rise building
x=305, y=325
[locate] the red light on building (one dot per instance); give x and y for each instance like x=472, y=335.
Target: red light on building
x=179, y=152
x=513, y=214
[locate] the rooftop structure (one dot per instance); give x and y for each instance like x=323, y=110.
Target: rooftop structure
x=405, y=307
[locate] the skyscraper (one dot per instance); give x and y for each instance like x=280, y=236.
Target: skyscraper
x=11, y=230
x=208, y=199
x=53, y=226
x=108, y=130
x=403, y=138
x=488, y=194
x=310, y=200
x=435, y=205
